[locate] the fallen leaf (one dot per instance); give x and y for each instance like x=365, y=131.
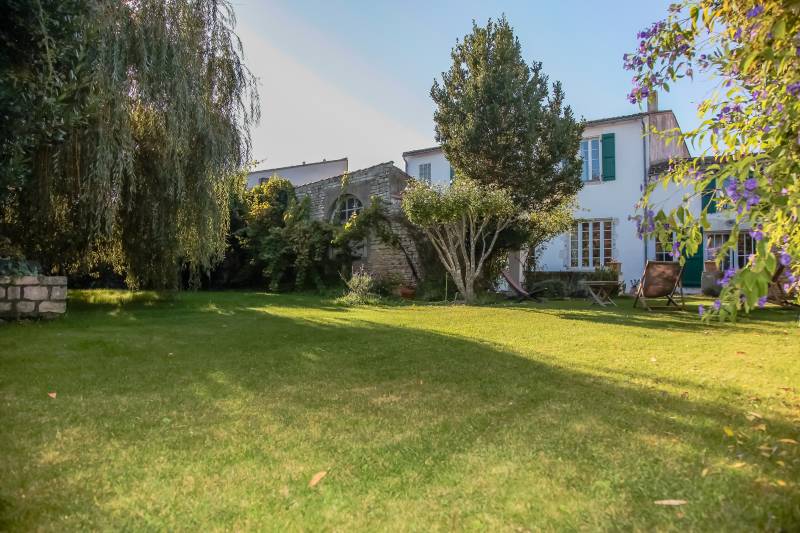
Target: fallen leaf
x=781, y=483
x=741, y=353
x=785, y=441
x=752, y=415
x=705, y=472
x=738, y=465
x=760, y=427
x=670, y=502
x=728, y=431
x=52, y=395
x=317, y=478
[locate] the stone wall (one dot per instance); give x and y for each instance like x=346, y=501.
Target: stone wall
x=384, y=181
x=33, y=296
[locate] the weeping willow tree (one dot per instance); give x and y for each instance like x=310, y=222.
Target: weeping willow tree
x=127, y=123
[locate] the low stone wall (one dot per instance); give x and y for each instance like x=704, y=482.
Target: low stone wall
x=33, y=296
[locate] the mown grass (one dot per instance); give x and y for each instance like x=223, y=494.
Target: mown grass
x=215, y=410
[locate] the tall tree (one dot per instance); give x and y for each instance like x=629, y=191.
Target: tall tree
x=127, y=122
x=499, y=123
x=751, y=125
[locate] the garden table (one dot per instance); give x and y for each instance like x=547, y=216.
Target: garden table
x=601, y=291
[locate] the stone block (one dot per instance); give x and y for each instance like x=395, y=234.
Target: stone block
x=26, y=280
x=52, y=307
x=25, y=307
x=2, y=292
x=5, y=280
x=53, y=280
x=58, y=293
x=12, y=293
x=5, y=306
x=36, y=292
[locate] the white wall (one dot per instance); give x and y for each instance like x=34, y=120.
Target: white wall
x=301, y=174
x=440, y=168
x=614, y=200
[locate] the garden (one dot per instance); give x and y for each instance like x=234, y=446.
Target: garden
x=247, y=410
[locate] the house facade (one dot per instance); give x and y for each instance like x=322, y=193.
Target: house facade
x=619, y=156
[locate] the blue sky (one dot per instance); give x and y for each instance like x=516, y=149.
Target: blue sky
x=345, y=78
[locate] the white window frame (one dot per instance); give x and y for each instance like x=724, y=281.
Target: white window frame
x=590, y=166
x=665, y=254
x=425, y=168
x=346, y=207
x=738, y=255
x=578, y=245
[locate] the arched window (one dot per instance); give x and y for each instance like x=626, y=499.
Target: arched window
x=347, y=207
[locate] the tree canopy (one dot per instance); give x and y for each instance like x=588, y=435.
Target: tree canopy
x=463, y=222
x=499, y=122
x=751, y=126
x=126, y=124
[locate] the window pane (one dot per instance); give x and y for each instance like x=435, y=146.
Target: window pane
x=607, y=245
x=585, y=244
x=595, y=244
x=573, y=246
x=595, y=159
x=585, y=157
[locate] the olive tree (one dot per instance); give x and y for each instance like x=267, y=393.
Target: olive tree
x=463, y=222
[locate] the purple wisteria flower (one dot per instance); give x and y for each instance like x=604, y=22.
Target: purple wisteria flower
x=756, y=11
x=676, y=250
x=757, y=234
x=762, y=301
x=726, y=277
x=785, y=259
x=700, y=310
x=717, y=305
x=793, y=88
x=750, y=184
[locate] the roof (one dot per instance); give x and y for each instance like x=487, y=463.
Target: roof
x=422, y=151
x=660, y=168
x=323, y=162
x=595, y=122
x=351, y=172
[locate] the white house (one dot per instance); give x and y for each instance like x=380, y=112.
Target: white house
x=300, y=174
x=619, y=156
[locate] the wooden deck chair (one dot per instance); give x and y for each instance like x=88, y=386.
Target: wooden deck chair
x=661, y=279
x=521, y=293
x=776, y=293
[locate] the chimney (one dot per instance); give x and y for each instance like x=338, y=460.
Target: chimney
x=652, y=102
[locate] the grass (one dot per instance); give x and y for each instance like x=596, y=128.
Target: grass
x=214, y=411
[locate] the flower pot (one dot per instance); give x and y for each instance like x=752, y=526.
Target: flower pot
x=615, y=266
x=710, y=266
x=408, y=293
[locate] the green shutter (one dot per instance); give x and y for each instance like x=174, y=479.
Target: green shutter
x=707, y=198
x=609, y=159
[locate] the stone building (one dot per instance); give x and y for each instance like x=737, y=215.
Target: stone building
x=334, y=202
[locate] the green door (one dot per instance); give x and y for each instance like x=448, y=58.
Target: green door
x=693, y=269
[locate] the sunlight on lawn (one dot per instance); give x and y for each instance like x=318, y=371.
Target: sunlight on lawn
x=217, y=409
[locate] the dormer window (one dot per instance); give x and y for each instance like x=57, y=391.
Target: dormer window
x=592, y=157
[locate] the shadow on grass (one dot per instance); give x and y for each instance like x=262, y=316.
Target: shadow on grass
x=624, y=314
x=383, y=402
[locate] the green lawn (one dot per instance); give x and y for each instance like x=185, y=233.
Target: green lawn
x=215, y=410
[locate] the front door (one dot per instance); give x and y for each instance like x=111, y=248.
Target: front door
x=693, y=269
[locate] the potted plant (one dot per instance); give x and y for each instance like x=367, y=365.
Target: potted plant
x=407, y=292
x=615, y=266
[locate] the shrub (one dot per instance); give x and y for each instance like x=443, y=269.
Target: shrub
x=553, y=288
x=360, y=289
